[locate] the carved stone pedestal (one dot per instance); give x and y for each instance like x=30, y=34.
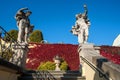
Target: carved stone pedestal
x=57, y=62
x=83, y=48
x=20, y=54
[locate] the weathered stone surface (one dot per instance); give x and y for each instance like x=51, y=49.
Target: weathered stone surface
x=98, y=62
x=113, y=70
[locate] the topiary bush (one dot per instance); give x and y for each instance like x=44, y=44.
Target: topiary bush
x=46, y=66
x=64, y=66
x=36, y=36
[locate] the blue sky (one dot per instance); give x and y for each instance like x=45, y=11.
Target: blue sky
x=56, y=17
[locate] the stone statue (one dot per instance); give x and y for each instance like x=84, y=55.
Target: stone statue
x=21, y=48
x=81, y=26
x=23, y=23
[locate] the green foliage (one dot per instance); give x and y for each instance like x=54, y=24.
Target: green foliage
x=7, y=54
x=36, y=36
x=13, y=34
x=51, y=66
x=46, y=66
x=64, y=66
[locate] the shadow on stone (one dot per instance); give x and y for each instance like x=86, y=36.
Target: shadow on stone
x=100, y=61
x=99, y=74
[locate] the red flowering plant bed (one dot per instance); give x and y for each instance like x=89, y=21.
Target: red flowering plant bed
x=111, y=53
x=46, y=52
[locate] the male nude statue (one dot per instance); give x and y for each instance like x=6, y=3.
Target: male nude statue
x=81, y=26
x=23, y=24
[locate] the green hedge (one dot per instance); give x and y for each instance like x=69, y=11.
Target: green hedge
x=46, y=66
x=64, y=66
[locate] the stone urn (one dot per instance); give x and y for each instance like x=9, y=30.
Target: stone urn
x=57, y=61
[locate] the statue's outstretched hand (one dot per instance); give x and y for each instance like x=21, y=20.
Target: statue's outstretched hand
x=84, y=6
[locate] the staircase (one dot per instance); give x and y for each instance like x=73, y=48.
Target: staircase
x=51, y=75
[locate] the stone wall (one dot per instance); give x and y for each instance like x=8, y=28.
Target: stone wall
x=5, y=75
x=9, y=71
x=96, y=67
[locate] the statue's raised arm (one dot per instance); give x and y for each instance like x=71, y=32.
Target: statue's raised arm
x=20, y=13
x=84, y=15
x=86, y=10
x=22, y=9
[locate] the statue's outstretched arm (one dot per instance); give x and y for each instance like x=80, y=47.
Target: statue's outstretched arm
x=86, y=10
x=22, y=9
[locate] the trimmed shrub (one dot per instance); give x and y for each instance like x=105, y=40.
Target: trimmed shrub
x=36, y=36
x=64, y=66
x=51, y=66
x=46, y=66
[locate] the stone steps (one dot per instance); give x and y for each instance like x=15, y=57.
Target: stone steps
x=56, y=78
x=51, y=75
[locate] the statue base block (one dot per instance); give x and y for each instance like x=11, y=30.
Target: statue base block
x=20, y=54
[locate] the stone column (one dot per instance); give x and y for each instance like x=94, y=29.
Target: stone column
x=81, y=50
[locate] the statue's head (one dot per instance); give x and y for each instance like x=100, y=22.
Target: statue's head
x=78, y=16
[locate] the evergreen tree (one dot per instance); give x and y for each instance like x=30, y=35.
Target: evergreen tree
x=12, y=34
x=36, y=36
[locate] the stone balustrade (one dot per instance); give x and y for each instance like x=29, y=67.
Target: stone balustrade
x=95, y=66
